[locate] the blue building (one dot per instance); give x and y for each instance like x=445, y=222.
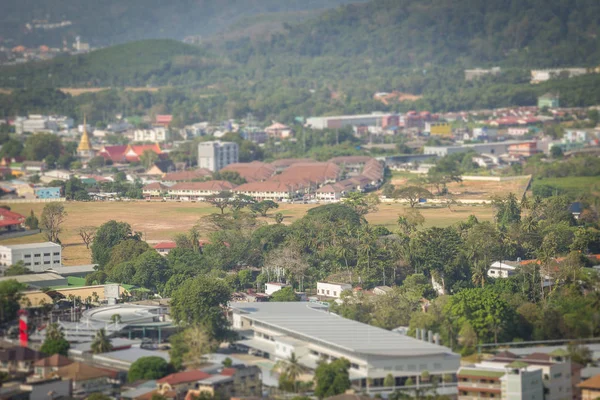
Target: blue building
x=47, y=192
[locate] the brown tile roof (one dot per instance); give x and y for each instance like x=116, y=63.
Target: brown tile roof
x=155, y=186
x=350, y=159
x=207, y=185
x=20, y=354
x=268, y=186
x=186, y=176
x=252, y=172
x=536, y=357
x=286, y=162
x=56, y=360
x=184, y=377
x=306, y=173
x=79, y=371
x=592, y=383
x=505, y=355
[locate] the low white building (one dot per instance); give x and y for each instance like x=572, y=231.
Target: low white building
x=502, y=269
x=334, y=290
x=273, y=287
x=154, y=135
x=36, y=257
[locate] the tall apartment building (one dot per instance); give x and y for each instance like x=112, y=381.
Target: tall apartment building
x=215, y=155
x=37, y=257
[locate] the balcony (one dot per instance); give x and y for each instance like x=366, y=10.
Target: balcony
x=476, y=386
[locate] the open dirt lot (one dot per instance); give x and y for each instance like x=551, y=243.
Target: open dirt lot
x=161, y=221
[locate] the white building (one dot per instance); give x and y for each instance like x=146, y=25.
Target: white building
x=273, y=287
x=34, y=124
x=37, y=257
x=502, y=269
x=215, y=155
x=313, y=334
x=334, y=290
x=341, y=121
x=542, y=75
x=154, y=135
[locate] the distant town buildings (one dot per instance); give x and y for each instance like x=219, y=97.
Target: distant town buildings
x=215, y=155
x=472, y=74
x=35, y=123
x=337, y=122
x=154, y=135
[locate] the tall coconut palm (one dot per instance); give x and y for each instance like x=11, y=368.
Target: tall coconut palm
x=291, y=368
x=479, y=273
x=101, y=342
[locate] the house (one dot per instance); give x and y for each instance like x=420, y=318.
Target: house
x=284, y=163
x=46, y=366
x=279, y=131
x=549, y=100
x=161, y=167
x=11, y=221
x=115, y=154
x=164, y=248
x=576, y=208
x=155, y=190
x=33, y=166
x=526, y=149
x=180, y=382
x=198, y=190
x=18, y=360
x=502, y=269
x=186, y=176
x=590, y=388
x=331, y=192
x=239, y=381
x=163, y=120
x=47, y=192
x=86, y=379
x=332, y=290
x=272, y=287
x=309, y=175
x=255, y=171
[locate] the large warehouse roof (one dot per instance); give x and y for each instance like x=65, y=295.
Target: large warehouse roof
x=313, y=323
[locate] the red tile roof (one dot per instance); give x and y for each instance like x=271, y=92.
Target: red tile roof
x=165, y=245
x=309, y=173
x=114, y=153
x=228, y=371
x=184, y=377
x=56, y=360
x=133, y=152
x=286, y=162
x=252, y=172
x=186, y=176
x=217, y=186
x=9, y=218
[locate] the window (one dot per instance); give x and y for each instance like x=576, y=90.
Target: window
x=46, y=262
x=37, y=255
x=46, y=254
x=56, y=253
x=328, y=292
x=36, y=263
x=27, y=256
x=27, y=264
x=334, y=293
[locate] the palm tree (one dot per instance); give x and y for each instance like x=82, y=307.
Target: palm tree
x=101, y=343
x=479, y=273
x=291, y=368
x=115, y=319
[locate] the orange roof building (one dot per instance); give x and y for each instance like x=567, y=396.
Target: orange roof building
x=590, y=389
x=252, y=172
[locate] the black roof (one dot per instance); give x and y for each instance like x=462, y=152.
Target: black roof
x=20, y=354
x=576, y=207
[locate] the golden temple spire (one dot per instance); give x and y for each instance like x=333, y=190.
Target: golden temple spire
x=84, y=144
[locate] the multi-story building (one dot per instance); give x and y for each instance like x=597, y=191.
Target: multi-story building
x=37, y=257
x=215, y=155
x=341, y=121
x=313, y=334
x=198, y=190
x=154, y=135
x=534, y=376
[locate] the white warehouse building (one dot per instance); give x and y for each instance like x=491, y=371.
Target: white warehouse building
x=312, y=333
x=37, y=257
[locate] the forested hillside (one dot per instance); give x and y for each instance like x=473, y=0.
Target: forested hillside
x=416, y=32
x=108, y=22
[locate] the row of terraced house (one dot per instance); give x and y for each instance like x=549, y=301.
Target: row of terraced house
x=281, y=181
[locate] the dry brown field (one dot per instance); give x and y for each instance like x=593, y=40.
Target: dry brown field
x=161, y=221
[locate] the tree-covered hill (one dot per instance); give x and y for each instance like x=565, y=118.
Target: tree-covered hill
x=106, y=22
x=416, y=32
x=147, y=62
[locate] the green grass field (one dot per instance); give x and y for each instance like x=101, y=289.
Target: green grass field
x=575, y=186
